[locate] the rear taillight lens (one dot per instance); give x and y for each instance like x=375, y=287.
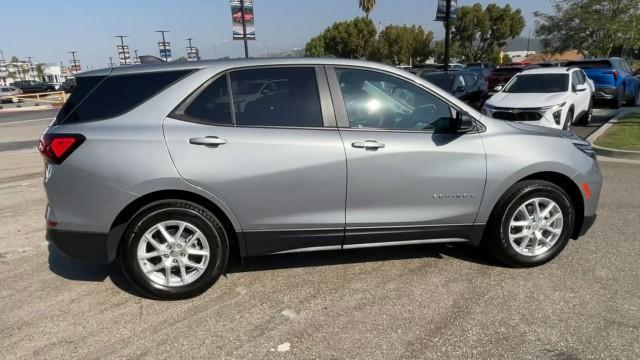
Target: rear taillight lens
x=57, y=147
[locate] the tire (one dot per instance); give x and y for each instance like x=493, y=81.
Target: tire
x=185, y=252
x=586, y=118
x=508, y=212
x=616, y=102
x=568, y=121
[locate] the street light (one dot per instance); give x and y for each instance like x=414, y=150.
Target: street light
x=215, y=47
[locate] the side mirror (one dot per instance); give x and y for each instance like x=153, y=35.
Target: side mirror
x=498, y=88
x=581, y=88
x=461, y=122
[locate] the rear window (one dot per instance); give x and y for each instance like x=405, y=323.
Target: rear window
x=504, y=71
x=99, y=97
x=442, y=80
x=596, y=64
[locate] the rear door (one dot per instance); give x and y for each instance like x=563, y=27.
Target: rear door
x=274, y=157
x=405, y=181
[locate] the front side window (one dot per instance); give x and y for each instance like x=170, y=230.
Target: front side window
x=285, y=96
x=376, y=100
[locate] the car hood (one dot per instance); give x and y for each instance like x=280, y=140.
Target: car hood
x=523, y=101
x=544, y=130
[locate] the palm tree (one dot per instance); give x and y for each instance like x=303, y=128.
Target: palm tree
x=367, y=6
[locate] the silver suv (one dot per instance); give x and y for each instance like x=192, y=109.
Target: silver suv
x=171, y=168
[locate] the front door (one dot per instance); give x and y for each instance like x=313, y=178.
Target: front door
x=275, y=160
x=406, y=181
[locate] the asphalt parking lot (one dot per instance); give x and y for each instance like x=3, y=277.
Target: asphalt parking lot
x=428, y=302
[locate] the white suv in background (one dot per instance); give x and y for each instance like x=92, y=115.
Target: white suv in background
x=551, y=97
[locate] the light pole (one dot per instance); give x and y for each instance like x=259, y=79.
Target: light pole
x=136, y=59
x=215, y=47
x=244, y=30
x=124, y=54
x=111, y=61
x=164, y=44
x=447, y=34
x=30, y=66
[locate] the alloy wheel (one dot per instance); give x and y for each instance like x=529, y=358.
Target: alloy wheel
x=535, y=227
x=173, y=253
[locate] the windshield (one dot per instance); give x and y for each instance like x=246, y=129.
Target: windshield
x=441, y=80
x=538, y=83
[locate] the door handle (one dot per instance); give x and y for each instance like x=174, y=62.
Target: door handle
x=368, y=144
x=211, y=141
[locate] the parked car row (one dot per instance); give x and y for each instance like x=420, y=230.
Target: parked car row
x=554, y=94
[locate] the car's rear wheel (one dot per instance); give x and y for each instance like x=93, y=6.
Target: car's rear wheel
x=531, y=225
x=174, y=250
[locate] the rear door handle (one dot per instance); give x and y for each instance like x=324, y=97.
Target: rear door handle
x=368, y=144
x=212, y=141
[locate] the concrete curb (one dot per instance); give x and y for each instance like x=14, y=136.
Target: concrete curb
x=28, y=108
x=612, y=153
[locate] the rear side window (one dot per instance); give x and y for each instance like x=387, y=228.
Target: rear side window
x=211, y=104
x=97, y=98
x=276, y=97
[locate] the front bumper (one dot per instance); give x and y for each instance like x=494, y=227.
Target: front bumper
x=85, y=246
x=587, y=223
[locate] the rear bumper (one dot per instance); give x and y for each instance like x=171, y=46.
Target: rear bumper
x=85, y=246
x=605, y=93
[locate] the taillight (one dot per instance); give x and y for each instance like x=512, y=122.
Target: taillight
x=57, y=147
x=615, y=74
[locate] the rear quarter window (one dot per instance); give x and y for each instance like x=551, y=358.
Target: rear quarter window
x=98, y=98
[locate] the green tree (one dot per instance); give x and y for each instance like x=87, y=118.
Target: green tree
x=592, y=27
x=315, y=46
x=40, y=70
x=404, y=45
x=367, y=6
x=355, y=39
x=480, y=33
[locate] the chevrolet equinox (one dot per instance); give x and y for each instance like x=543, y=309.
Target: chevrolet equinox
x=170, y=168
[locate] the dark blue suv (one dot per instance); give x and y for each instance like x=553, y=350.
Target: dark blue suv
x=614, y=80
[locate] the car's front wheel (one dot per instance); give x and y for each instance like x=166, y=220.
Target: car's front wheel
x=531, y=224
x=174, y=250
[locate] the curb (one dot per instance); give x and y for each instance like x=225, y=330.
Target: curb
x=612, y=153
x=28, y=108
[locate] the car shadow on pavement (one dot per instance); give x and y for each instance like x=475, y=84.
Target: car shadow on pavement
x=76, y=270
x=354, y=256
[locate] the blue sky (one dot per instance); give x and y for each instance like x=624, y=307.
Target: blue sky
x=48, y=29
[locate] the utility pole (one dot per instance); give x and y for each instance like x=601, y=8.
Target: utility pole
x=447, y=34
x=30, y=66
x=244, y=30
x=124, y=54
x=164, y=45
x=75, y=63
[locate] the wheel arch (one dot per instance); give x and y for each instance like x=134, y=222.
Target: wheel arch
x=564, y=182
x=124, y=217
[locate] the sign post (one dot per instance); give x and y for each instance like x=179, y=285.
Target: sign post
x=446, y=12
x=243, y=22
